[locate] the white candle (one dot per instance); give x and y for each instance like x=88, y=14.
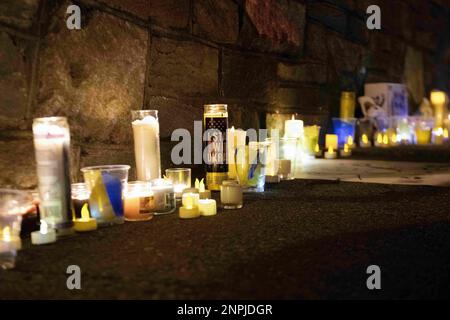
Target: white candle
x=146, y=147
x=231, y=195
x=293, y=128
x=235, y=140
x=207, y=207
x=44, y=235
x=190, y=199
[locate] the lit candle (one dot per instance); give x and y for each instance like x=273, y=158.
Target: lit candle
x=44, y=236
x=231, y=195
x=365, y=142
x=423, y=136
x=350, y=142
x=164, y=196
x=190, y=199
x=438, y=100
x=330, y=153
x=146, y=144
x=385, y=140
x=293, y=128
x=85, y=223
x=346, y=152
x=207, y=207
x=235, y=141
x=317, y=152
x=445, y=134
x=139, y=201
x=379, y=139
x=285, y=169
x=438, y=136
x=200, y=185
x=331, y=140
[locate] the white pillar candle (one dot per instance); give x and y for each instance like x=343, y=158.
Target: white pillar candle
x=146, y=146
x=207, y=207
x=293, y=128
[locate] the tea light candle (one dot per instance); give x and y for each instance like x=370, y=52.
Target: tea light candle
x=207, y=207
x=365, y=142
x=293, y=128
x=317, y=152
x=350, y=142
x=330, y=153
x=379, y=139
x=200, y=185
x=85, y=223
x=346, y=152
x=231, y=195
x=189, y=213
x=44, y=235
x=190, y=199
x=284, y=169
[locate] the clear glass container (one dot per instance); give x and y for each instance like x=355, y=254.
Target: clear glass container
x=147, y=153
x=344, y=128
x=13, y=204
x=165, y=201
x=180, y=178
x=215, y=125
x=80, y=198
x=139, y=201
x=52, y=150
x=231, y=195
x=106, y=184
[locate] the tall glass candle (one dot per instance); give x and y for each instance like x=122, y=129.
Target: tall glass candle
x=52, y=148
x=146, y=144
x=215, y=125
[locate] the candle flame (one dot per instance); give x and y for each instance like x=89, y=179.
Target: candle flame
x=345, y=147
x=85, y=212
x=365, y=139
x=330, y=149
x=439, y=132
x=6, y=234
x=44, y=227
x=350, y=140
x=446, y=133
x=385, y=139
x=293, y=117
x=394, y=138
x=316, y=148
x=197, y=184
x=201, y=187
x=379, y=138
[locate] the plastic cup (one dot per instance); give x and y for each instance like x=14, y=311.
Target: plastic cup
x=106, y=184
x=13, y=204
x=344, y=128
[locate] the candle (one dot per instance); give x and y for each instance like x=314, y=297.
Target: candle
x=189, y=212
x=231, y=195
x=190, y=199
x=385, y=140
x=348, y=102
x=164, y=196
x=235, y=141
x=44, y=236
x=293, y=128
x=350, y=142
x=207, y=207
x=80, y=198
x=181, y=179
x=139, y=201
x=438, y=136
x=331, y=140
x=445, y=134
x=423, y=136
x=346, y=152
x=200, y=185
x=285, y=169
x=85, y=223
x=330, y=153
x=317, y=152
x=146, y=144
x=52, y=149
x=379, y=139
x=365, y=142
x=438, y=100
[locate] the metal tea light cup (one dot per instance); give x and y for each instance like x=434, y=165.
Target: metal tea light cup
x=106, y=184
x=13, y=204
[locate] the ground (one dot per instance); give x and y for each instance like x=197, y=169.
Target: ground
x=302, y=239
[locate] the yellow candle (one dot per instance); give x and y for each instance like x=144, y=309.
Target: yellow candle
x=423, y=136
x=385, y=139
x=438, y=136
x=207, y=207
x=331, y=140
x=365, y=141
x=190, y=199
x=350, y=142
x=189, y=212
x=85, y=223
x=438, y=100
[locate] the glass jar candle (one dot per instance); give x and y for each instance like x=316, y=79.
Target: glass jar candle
x=310, y=139
x=106, y=185
x=164, y=196
x=139, y=201
x=231, y=195
x=80, y=198
x=52, y=150
x=215, y=125
x=347, y=104
x=344, y=129
x=146, y=144
x=180, y=178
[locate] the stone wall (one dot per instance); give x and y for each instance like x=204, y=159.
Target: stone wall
x=176, y=55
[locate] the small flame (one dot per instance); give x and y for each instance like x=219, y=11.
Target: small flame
x=380, y=138
x=330, y=149
x=345, y=147
x=350, y=140
x=293, y=117
x=6, y=234
x=365, y=139
x=201, y=187
x=44, y=227
x=85, y=212
x=385, y=139
x=316, y=148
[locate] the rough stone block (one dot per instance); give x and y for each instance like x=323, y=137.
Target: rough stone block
x=247, y=77
x=14, y=80
x=167, y=13
x=18, y=13
x=182, y=69
x=306, y=71
x=217, y=20
x=329, y=15
x=94, y=76
x=305, y=99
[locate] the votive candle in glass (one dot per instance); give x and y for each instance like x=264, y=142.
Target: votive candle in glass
x=231, y=195
x=163, y=192
x=80, y=198
x=146, y=144
x=139, y=201
x=180, y=178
